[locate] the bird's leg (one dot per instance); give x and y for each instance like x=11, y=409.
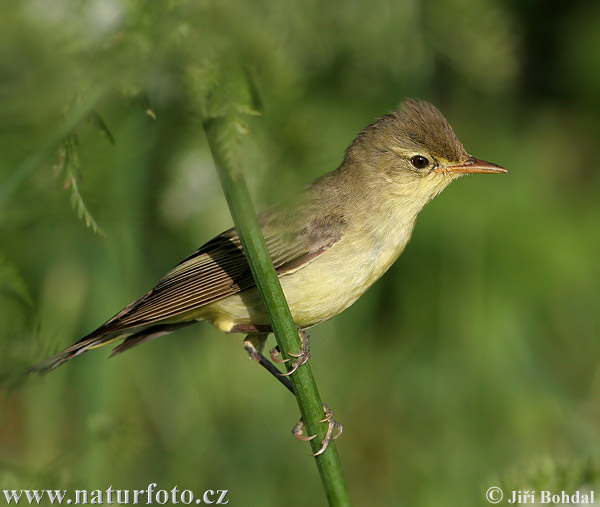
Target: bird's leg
x=254, y=343
x=301, y=357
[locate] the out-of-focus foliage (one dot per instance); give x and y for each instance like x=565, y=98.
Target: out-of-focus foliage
x=472, y=363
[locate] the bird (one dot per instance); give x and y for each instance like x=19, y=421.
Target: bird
x=329, y=243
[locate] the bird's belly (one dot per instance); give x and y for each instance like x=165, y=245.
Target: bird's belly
x=320, y=291
x=326, y=287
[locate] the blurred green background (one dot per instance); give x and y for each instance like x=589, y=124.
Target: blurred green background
x=472, y=363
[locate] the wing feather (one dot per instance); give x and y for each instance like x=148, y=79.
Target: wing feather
x=219, y=269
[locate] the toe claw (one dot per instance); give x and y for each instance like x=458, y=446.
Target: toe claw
x=302, y=356
x=322, y=449
x=298, y=432
x=328, y=413
x=274, y=353
x=334, y=430
x=340, y=429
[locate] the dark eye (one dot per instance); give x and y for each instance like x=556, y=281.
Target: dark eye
x=419, y=162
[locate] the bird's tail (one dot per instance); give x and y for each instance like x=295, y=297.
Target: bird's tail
x=88, y=342
x=99, y=339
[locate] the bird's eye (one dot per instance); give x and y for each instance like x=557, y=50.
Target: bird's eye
x=419, y=162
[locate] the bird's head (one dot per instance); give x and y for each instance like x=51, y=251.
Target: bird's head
x=414, y=152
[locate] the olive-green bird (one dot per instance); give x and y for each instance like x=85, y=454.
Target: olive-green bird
x=339, y=236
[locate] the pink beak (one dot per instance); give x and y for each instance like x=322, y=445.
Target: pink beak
x=473, y=165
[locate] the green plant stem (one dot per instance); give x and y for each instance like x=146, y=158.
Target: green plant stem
x=255, y=249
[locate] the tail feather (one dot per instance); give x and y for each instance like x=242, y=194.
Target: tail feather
x=86, y=343
x=99, y=339
x=148, y=334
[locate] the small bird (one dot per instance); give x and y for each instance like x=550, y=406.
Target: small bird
x=340, y=234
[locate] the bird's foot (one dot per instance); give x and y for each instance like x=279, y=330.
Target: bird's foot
x=301, y=357
x=334, y=430
x=254, y=344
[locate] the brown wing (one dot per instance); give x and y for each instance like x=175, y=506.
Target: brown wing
x=219, y=269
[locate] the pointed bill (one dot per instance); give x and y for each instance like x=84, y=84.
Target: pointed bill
x=473, y=165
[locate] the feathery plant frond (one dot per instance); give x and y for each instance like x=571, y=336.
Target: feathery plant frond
x=69, y=163
x=222, y=92
x=547, y=473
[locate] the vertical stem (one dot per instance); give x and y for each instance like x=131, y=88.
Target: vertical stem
x=255, y=249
